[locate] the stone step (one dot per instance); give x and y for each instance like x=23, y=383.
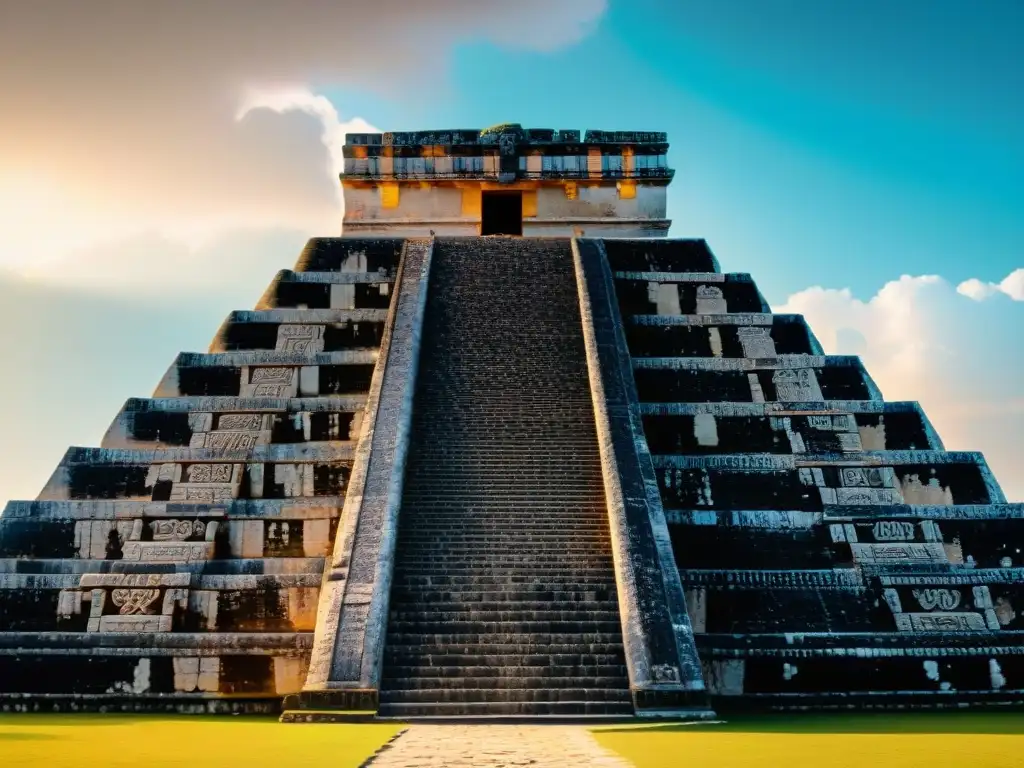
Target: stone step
x=424, y=540
x=485, y=658
x=492, y=709
x=459, y=615
x=450, y=580
x=437, y=695
x=430, y=626
x=509, y=596
x=544, y=679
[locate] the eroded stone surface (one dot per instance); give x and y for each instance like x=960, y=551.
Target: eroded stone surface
x=497, y=746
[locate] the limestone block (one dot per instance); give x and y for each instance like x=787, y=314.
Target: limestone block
x=200, y=421
x=893, y=530
x=756, y=341
x=866, y=496
x=873, y=438
x=697, y=608
x=940, y=622
x=711, y=300
x=309, y=381
x=756, y=393
x=954, y=553
x=289, y=674
x=849, y=442
x=301, y=339
x=302, y=606
x=141, y=681
x=204, y=602
x=246, y=537
x=665, y=297
x=796, y=385
x=269, y=381
x=705, y=429
x=715, y=340
x=916, y=492
x=133, y=624
x=186, y=673
x=725, y=677
x=69, y=603
x=343, y=296
x=316, y=540
x=203, y=493
x=209, y=674
x=99, y=537
x=256, y=479
x=297, y=479
x=133, y=580
x=168, y=552
x=898, y=553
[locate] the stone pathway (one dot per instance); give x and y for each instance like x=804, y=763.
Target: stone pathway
x=497, y=746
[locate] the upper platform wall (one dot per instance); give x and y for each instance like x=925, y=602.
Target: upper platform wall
x=606, y=183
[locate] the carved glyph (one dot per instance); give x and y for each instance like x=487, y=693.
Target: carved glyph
x=940, y=622
x=177, y=530
x=135, y=601
x=239, y=422
x=893, y=530
x=711, y=300
x=898, y=553
x=937, y=599
x=271, y=381
x=798, y=385
x=300, y=339
x=756, y=341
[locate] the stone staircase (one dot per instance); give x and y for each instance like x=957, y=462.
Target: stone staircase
x=503, y=601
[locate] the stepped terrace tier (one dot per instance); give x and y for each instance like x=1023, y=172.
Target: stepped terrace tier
x=513, y=477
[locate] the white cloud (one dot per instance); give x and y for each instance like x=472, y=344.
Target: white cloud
x=122, y=117
x=922, y=341
x=304, y=101
x=1012, y=285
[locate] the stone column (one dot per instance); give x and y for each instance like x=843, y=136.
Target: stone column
x=664, y=669
x=344, y=671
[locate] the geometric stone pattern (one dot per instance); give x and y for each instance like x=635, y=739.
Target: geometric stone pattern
x=178, y=567
x=830, y=549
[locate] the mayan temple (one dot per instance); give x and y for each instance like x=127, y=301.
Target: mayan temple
x=505, y=448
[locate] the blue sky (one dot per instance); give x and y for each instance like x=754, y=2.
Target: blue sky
x=863, y=160
x=820, y=142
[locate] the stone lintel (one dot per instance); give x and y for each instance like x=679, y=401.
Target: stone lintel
x=291, y=453
x=307, y=316
x=664, y=669
x=864, y=645
x=791, y=519
x=814, y=408
x=334, y=278
x=684, y=277
x=758, y=319
x=267, y=567
x=352, y=615
x=220, y=582
x=184, y=404
x=780, y=362
x=758, y=579
x=153, y=644
x=269, y=357
x=774, y=462
x=317, y=508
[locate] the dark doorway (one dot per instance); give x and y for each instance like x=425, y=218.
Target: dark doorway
x=501, y=213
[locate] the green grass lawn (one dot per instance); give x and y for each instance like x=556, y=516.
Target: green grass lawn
x=912, y=740
x=964, y=740
x=113, y=741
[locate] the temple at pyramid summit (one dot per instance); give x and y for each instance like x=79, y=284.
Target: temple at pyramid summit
x=504, y=448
